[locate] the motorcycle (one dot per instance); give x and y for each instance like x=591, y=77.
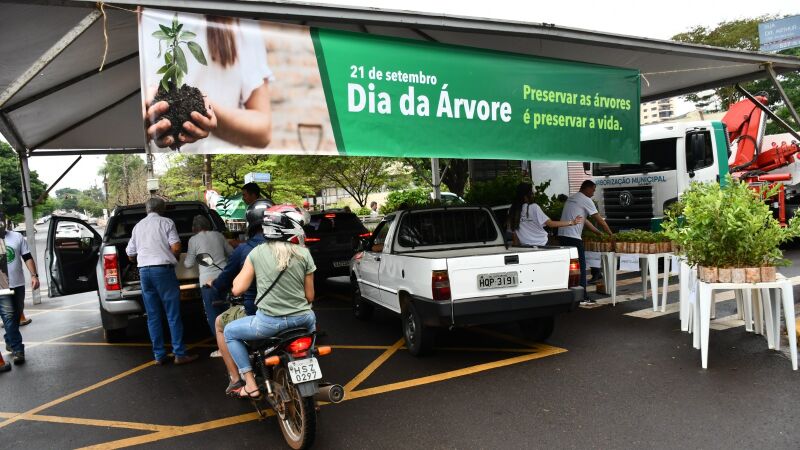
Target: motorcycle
x=288, y=375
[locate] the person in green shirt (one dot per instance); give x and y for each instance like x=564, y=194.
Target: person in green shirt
x=287, y=304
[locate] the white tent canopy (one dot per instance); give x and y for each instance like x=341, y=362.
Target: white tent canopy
x=68, y=107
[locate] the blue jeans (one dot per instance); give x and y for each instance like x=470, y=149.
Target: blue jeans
x=210, y=295
x=161, y=292
x=260, y=326
x=10, y=315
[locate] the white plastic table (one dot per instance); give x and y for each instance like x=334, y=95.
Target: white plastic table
x=772, y=310
x=648, y=264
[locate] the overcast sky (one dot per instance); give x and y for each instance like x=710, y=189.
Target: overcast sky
x=652, y=19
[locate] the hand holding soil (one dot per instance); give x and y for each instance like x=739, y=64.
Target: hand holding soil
x=200, y=126
x=164, y=134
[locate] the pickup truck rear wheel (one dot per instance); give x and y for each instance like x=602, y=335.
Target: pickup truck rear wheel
x=419, y=338
x=362, y=309
x=538, y=329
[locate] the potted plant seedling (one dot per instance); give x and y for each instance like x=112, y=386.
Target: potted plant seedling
x=730, y=233
x=182, y=99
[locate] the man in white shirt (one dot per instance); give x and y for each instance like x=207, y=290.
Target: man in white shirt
x=581, y=204
x=373, y=209
x=16, y=252
x=154, y=246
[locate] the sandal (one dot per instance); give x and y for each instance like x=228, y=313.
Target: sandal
x=233, y=387
x=249, y=394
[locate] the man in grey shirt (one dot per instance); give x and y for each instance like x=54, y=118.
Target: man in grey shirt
x=212, y=242
x=154, y=246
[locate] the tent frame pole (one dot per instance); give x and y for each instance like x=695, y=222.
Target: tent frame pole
x=30, y=232
x=774, y=77
x=437, y=182
x=49, y=56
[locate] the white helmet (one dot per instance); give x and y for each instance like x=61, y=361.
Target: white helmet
x=285, y=223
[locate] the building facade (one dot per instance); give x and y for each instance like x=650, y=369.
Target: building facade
x=658, y=110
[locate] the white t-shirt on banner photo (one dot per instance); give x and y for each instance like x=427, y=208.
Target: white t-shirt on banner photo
x=229, y=86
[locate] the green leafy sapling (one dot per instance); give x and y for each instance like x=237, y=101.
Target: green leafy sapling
x=175, y=66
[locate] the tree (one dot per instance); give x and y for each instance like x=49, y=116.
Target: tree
x=11, y=183
x=358, y=175
x=91, y=201
x=743, y=34
x=68, y=198
x=453, y=172
x=183, y=179
x=126, y=179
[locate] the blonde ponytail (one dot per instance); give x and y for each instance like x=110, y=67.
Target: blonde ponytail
x=283, y=252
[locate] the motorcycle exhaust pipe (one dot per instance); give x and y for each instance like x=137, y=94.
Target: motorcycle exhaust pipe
x=333, y=393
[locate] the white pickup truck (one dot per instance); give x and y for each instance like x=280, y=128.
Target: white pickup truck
x=451, y=266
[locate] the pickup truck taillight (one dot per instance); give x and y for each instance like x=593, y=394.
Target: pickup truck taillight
x=440, y=285
x=111, y=272
x=574, y=273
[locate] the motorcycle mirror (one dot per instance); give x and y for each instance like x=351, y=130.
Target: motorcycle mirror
x=204, y=259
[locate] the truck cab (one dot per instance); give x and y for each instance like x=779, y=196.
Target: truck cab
x=672, y=156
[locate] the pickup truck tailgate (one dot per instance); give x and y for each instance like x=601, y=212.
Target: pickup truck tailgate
x=536, y=269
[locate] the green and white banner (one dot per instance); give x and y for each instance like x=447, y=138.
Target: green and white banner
x=274, y=88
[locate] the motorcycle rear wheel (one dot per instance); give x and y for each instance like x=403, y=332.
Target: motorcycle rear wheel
x=299, y=423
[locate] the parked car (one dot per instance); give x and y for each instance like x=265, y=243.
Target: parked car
x=74, y=264
x=330, y=237
x=21, y=229
x=68, y=230
x=449, y=198
x=448, y=267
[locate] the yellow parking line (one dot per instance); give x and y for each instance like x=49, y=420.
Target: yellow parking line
x=453, y=373
x=27, y=414
x=373, y=366
x=92, y=422
x=43, y=311
x=540, y=351
x=505, y=337
x=178, y=431
x=486, y=349
x=361, y=347
x=100, y=423
x=61, y=308
x=49, y=341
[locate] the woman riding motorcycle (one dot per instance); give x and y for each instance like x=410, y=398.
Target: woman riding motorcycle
x=284, y=272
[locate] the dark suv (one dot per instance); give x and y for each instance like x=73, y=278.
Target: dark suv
x=330, y=237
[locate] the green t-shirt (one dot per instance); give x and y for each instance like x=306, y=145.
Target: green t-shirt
x=288, y=297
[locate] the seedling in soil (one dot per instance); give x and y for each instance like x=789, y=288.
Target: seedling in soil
x=182, y=99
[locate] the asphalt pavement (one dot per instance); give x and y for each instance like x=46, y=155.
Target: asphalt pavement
x=609, y=377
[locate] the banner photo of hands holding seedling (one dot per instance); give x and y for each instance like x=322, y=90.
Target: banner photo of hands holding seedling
x=227, y=85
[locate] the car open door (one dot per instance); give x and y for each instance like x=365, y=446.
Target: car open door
x=70, y=256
